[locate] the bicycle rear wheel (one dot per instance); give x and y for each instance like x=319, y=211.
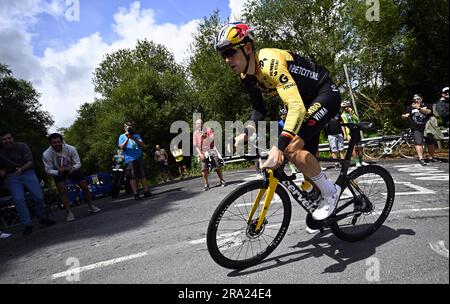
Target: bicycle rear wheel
x=407, y=150
x=232, y=242
x=374, y=149
x=366, y=199
x=116, y=185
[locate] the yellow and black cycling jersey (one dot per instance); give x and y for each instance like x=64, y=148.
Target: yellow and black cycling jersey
x=296, y=79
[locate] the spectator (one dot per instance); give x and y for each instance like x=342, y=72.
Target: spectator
x=162, y=158
x=132, y=144
x=418, y=114
x=17, y=165
x=203, y=141
x=336, y=138
x=348, y=116
x=179, y=159
x=62, y=162
x=441, y=107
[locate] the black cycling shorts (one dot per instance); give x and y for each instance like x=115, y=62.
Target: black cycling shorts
x=321, y=110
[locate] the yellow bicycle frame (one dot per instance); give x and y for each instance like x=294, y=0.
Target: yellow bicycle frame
x=273, y=183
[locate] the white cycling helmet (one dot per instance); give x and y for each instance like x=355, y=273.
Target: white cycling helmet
x=232, y=35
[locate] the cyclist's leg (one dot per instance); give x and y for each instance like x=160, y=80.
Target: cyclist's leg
x=322, y=110
x=312, y=146
x=303, y=148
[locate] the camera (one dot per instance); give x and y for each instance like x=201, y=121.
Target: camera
x=130, y=131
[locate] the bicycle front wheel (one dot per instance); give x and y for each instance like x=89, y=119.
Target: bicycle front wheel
x=407, y=150
x=374, y=149
x=366, y=199
x=232, y=242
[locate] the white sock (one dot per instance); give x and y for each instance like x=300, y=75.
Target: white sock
x=325, y=186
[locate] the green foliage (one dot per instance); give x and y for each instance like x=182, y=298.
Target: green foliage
x=218, y=93
x=21, y=113
x=388, y=60
x=143, y=85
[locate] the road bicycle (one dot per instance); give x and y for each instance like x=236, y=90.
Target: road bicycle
x=391, y=144
x=252, y=220
x=119, y=180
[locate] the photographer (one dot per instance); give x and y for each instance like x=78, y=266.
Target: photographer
x=418, y=114
x=62, y=162
x=131, y=144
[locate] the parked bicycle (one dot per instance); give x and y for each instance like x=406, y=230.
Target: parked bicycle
x=252, y=220
x=391, y=144
x=119, y=180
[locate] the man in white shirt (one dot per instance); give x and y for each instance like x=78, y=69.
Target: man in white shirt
x=63, y=162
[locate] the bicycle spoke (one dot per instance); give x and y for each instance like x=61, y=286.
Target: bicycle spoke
x=366, y=192
x=238, y=241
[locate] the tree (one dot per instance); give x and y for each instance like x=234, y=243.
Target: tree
x=21, y=113
x=144, y=85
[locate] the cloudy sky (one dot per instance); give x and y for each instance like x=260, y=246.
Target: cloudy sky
x=57, y=44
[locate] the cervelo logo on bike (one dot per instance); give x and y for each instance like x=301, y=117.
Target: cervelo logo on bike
x=231, y=129
x=299, y=197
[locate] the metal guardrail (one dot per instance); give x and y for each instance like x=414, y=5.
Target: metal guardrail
x=324, y=147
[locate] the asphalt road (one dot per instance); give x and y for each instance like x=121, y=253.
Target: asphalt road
x=161, y=240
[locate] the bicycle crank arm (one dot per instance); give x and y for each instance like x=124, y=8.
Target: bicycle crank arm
x=339, y=217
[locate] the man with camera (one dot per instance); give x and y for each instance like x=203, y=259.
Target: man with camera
x=62, y=162
x=418, y=114
x=131, y=144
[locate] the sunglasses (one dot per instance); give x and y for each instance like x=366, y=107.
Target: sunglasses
x=228, y=53
x=446, y=92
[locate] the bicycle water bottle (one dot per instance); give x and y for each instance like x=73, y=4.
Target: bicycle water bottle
x=312, y=193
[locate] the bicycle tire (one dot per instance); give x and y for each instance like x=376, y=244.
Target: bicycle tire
x=115, y=189
x=115, y=186
x=374, y=149
x=375, y=183
x=407, y=150
x=222, y=239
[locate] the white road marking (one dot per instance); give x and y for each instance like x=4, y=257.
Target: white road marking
x=419, y=189
x=418, y=210
x=439, y=248
x=98, y=265
x=424, y=173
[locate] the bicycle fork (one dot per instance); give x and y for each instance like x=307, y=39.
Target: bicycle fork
x=273, y=182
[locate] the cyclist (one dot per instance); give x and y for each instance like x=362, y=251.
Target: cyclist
x=304, y=88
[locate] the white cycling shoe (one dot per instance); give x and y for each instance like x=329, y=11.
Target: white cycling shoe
x=327, y=205
x=311, y=231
